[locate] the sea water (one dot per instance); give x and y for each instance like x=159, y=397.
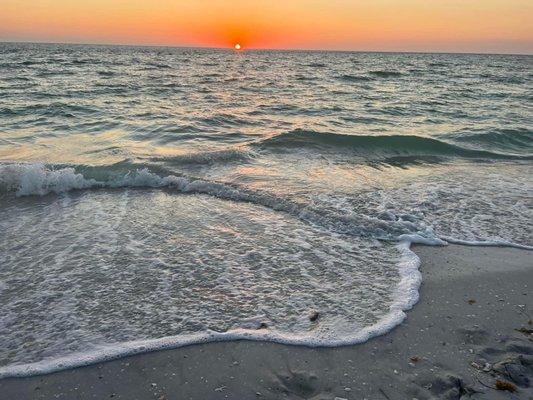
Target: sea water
x=156, y=197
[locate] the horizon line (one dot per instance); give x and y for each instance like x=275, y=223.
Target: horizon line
x=200, y=47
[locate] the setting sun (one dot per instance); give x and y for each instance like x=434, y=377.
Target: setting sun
x=384, y=25
x=237, y=46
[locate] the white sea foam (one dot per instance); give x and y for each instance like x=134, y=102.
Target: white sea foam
x=418, y=239
x=102, y=215
x=489, y=243
x=405, y=297
x=37, y=179
x=133, y=245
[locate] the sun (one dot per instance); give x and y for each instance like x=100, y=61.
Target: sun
x=237, y=46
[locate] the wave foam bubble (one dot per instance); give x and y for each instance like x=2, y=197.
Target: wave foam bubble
x=338, y=275
x=39, y=179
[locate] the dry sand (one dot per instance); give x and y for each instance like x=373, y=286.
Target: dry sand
x=455, y=344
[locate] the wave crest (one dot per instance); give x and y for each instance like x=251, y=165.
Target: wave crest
x=384, y=145
x=38, y=179
x=518, y=140
x=208, y=157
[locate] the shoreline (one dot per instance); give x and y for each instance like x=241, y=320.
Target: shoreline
x=472, y=301
x=406, y=297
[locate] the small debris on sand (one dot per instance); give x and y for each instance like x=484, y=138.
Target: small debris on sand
x=476, y=365
x=525, y=331
x=471, y=301
x=515, y=368
x=313, y=316
x=415, y=359
x=506, y=386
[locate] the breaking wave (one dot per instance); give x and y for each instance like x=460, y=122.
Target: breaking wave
x=39, y=179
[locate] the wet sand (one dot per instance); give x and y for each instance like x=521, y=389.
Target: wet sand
x=470, y=329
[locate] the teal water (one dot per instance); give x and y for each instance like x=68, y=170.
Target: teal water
x=154, y=197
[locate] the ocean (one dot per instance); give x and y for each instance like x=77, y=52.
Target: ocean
x=155, y=197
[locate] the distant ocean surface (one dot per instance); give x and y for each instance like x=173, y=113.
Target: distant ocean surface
x=155, y=197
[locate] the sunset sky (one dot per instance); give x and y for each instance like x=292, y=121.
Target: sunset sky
x=389, y=25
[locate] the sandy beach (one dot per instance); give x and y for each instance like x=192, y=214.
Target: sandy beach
x=468, y=337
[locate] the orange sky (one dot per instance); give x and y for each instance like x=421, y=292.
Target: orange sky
x=397, y=25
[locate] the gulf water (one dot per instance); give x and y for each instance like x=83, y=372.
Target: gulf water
x=156, y=197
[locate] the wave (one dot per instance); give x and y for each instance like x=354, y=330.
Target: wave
x=39, y=179
x=106, y=73
x=487, y=243
x=316, y=65
x=438, y=64
x=304, y=78
x=385, y=145
x=208, y=157
x=404, y=298
x=355, y=78
x=224, y=120
x=518, y=140
x=55, y=109
x=386, y=74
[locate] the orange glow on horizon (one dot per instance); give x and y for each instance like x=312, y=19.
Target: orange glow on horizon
x=388, y=25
